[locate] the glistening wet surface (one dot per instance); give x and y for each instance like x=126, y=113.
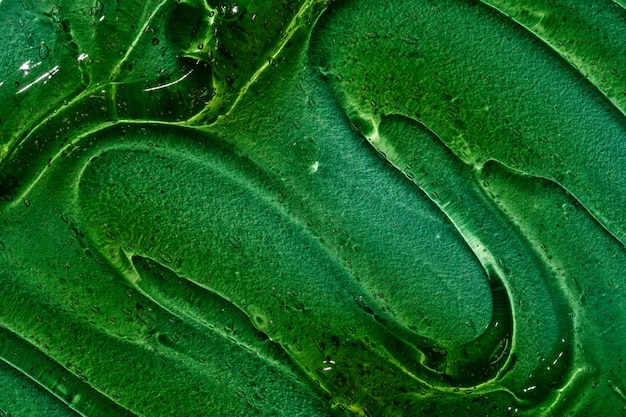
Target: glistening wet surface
x=312, y=208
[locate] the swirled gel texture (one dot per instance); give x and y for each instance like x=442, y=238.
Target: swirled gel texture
x=406, y=208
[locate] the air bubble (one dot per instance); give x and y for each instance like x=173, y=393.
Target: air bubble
x=166, y=257
x=56, y=14
x=260, y=396
x=146, y=319
x=557, y=157
x=234, y=242
x=43, y=51
x=97, y=9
